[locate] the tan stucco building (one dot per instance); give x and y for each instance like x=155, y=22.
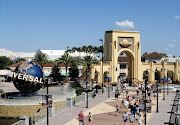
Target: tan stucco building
x=128, y=42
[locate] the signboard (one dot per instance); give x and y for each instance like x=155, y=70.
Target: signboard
x=141, y=105
x=148, y=106
x=44, y=100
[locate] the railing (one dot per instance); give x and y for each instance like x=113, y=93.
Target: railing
x=173, y=110
x=61, y=106
x=77, y=99
x=17, y=123
x=38, y=117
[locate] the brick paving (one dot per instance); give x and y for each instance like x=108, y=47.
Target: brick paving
x=103, y=112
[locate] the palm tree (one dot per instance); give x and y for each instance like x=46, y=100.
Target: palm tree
x=84, y=49
x=66, y=59
x=41, y=58
x=87, y=62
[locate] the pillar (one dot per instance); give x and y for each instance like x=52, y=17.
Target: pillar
x=24, y=120
x=70, y=102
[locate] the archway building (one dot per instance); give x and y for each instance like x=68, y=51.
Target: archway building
x=128, y=42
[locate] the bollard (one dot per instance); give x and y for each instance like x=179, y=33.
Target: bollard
x=51, y=111
x=70, y=102
x=24, y=120
x=84, y=96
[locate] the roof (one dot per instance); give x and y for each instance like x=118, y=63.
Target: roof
x=153, y=54
x=122, y=59
x=118, y=31
x=16, y=64
x=51, y=65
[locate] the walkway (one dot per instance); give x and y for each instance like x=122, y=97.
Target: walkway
x=164, y=107
x=103, y=112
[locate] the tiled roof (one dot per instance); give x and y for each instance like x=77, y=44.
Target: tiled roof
x=122, y=59
x=51, y=65
x=153, y=54
x=15, y=65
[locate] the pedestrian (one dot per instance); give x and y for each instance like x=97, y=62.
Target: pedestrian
x=155, y=94
x=133, y=97
x=96, y=92
x=117, y=109
x=131, y=117
x=139, y=120
x=81, y=118
x=137, y=109
x=137, y=93
x=90, y=118
x=134, y=109
x=125, y=117
x=149, y=93
x=128, y=98
x=126, y=103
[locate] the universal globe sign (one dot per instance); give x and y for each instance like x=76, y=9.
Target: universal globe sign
x=28, y=77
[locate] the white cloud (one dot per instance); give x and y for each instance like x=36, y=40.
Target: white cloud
x=177, y=17
x=166, y=49
x=171, y=45
x=127, y=25
x=174, y=40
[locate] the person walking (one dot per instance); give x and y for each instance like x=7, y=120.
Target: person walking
x=134, y=109
x=90, y=118
x=117, y=109
x=81, y=118
x=131, y=118
x=139, y=120
x=96, y=92
x=125, y=117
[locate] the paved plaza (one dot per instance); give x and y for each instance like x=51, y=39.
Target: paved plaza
x=103, y=111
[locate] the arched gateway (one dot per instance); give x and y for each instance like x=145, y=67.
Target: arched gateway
x=128, y=42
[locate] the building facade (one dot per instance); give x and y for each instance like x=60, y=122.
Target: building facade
x=128, y=42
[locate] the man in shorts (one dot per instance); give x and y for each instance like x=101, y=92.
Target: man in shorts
x=125, y=117
x=131, y=117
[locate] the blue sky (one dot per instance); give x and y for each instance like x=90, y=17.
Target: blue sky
x=29, y=25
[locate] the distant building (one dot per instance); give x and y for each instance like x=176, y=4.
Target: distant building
x=46, y=68
x=55, y=54
x=14, y=55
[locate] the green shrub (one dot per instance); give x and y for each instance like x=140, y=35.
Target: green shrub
x=1, y=91
x=79, y=90
x=114, y=84
x=75, y=85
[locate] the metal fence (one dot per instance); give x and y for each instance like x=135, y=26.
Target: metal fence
x=17, y=123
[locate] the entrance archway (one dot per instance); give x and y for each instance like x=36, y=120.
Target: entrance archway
x=125, y=65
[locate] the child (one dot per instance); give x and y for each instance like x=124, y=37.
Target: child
x=90, y=118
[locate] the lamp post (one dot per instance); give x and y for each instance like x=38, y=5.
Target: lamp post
x=47, y=104
x=102, y=59
x=157, y=92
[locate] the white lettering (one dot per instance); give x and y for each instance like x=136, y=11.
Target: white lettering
x=31, y=78
x=25, y=77
x=10, y=74
x=20, y=76
x=36, y=79
x=40, y=81
x=15, y=74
